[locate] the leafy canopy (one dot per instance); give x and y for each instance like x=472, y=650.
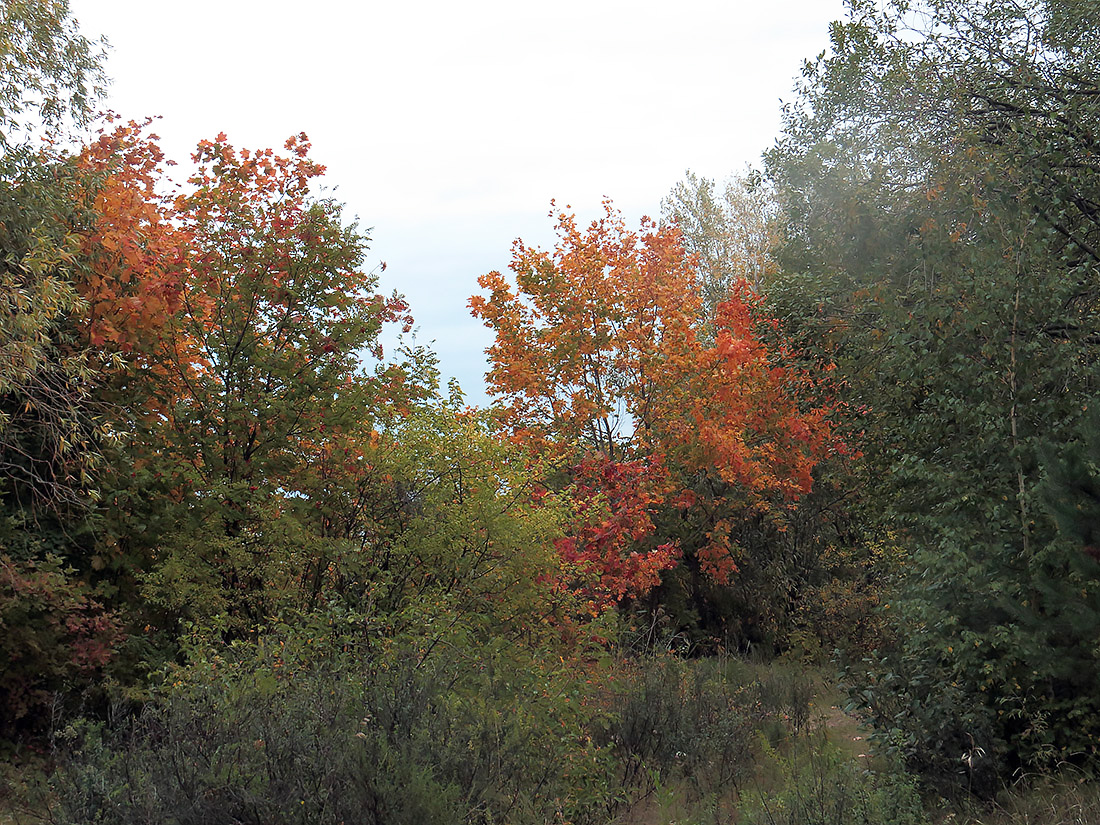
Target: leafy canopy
x=602, y=354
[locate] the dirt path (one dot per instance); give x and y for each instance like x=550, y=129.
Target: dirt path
x=844, y=730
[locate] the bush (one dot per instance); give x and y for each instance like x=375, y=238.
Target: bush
x=298, y=730
x=54, y=636
x=699, y=721
x=992, y=669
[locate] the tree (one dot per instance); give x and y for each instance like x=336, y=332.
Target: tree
x=45, y=65
x=282, y=316
x=46, y=423
x=130, y=280
x=1071, y=488
x=89, y=282
x=276, y=296
x=936, y=178
x=600, y=361
x=47, y=426
x=731, y=231
x=86, y=278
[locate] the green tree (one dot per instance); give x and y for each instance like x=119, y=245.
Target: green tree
x=937, y=179
x=48, y=431
x=46, y=418
x=56, y=422
x=46, y=66
x=1071, y=489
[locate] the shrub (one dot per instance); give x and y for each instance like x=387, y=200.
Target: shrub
x=699, y=720
x=816, y=786
x=992, y=669
x=303, y=730
x=53, y=636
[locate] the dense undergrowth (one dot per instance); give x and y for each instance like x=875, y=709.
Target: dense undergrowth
x=318, y=730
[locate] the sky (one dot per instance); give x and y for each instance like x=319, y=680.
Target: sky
x=448, y=127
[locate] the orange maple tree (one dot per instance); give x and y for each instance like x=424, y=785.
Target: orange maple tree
x=601, y=359
x=132, y=249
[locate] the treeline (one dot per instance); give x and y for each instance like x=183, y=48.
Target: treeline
x=927, y=223
x=839, y=408
x=938, y=182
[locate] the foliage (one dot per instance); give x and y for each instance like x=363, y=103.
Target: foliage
x=130, y=248
x=54, y=635
x=837, y=612
x=1071, y=490
x=46, y=65
x=818, y=787
x=478, y=538
x=339, y=720
x=259, y=372
x=721, y=739
x=601, y=359
x=431, y=515
x=936, y=184
x=47, y=418
x=1068, y=800
x=599, y=346
x=83, y=251
x=87, y=257
x=332, y=724
x=612, y=501
x=392, y=608
x=276, y=299
x=731, y=231
x=89, y=253
x=699, y=721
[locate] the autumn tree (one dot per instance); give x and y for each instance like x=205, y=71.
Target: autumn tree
x=600, y=359
x=284, y=319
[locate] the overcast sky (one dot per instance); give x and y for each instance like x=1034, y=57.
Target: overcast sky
x=447, y=127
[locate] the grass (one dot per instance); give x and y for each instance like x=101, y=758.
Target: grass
x=1068, y=799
